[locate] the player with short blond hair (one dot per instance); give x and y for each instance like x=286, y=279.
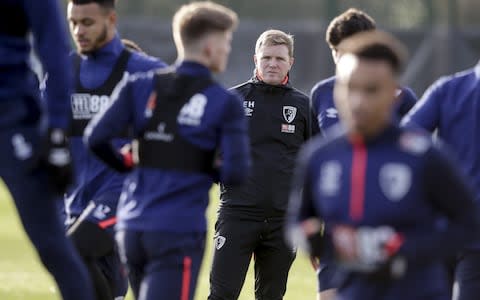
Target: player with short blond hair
x=190, y=131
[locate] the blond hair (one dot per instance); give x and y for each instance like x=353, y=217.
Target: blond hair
x=274, y=37
x=194, y=20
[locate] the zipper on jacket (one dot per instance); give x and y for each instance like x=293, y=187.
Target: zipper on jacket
x=358, y=178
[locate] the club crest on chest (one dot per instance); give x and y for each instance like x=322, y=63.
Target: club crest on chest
x=395, y=180
x=289, y=113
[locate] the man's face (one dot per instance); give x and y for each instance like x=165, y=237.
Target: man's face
x=91, y=26
x=364, y=94
x=273, y=63
x=218, y=49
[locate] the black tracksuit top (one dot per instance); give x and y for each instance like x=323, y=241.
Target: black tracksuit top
x=280, y=120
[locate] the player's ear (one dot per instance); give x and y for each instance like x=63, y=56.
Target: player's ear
x=112, y=17
x=207, y=45
x=398, y=94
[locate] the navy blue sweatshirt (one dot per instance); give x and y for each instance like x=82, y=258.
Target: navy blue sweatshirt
x=93, y=179
x=170, y=200
x=398, y=179
x=17, y=81
x=451, y=106
x=324, y=106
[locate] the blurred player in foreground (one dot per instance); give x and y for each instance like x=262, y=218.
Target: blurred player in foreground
x=91, y=205
x=35, y=163
x=373, y=193
x=450, y=106
x=345, y=25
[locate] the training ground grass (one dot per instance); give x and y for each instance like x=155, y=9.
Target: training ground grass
x=22, y=276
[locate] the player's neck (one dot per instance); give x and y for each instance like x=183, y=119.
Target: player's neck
x=194, y=57
x=370, y=133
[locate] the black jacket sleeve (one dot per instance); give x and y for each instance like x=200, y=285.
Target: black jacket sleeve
x=301, y=206
x=313, y=122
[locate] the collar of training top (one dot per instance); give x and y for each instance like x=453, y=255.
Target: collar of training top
x=386, y=134
x=258, y=82
x=192, y=68
x=111, y=49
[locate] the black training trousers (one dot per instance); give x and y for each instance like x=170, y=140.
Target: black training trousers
x=236, y=240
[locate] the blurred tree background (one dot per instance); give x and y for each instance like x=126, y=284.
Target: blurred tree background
x=398, y=14
x=443, y=36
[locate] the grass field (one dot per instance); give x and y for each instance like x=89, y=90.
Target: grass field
x=22, y=276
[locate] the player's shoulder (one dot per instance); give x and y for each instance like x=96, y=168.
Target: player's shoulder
x=300, y=101
x=325, y=84
x=242, y=88
x=462, y=74
x=324, y=145
x=74, y=54
x=140, y=62
x=415, y=141
x=322, y=93
x=223, y=96
x=407, y=99
x=225, y=106
x=222, y=92
x=454, y=80
x=407, y=92
x=299, y=95
x=140, y=76
x=144, y=79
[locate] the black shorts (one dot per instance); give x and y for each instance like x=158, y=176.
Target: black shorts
x=95, y=243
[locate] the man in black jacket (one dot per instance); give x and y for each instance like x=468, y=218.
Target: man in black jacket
x=251, y=216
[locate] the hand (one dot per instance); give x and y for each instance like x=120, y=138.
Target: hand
x=127, y=153
x=365, y=249
x=57, y=160
x=313, y=230
x=216, y=167
x=315, y=262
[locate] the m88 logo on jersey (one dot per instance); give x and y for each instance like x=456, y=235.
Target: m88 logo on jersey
x=86, y=106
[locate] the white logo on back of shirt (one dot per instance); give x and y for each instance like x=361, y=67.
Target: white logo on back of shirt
x=395, y=180
x=86, y=106
x=160, y=134
x=192, y=112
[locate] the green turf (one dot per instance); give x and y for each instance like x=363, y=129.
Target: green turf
x=22, y=277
